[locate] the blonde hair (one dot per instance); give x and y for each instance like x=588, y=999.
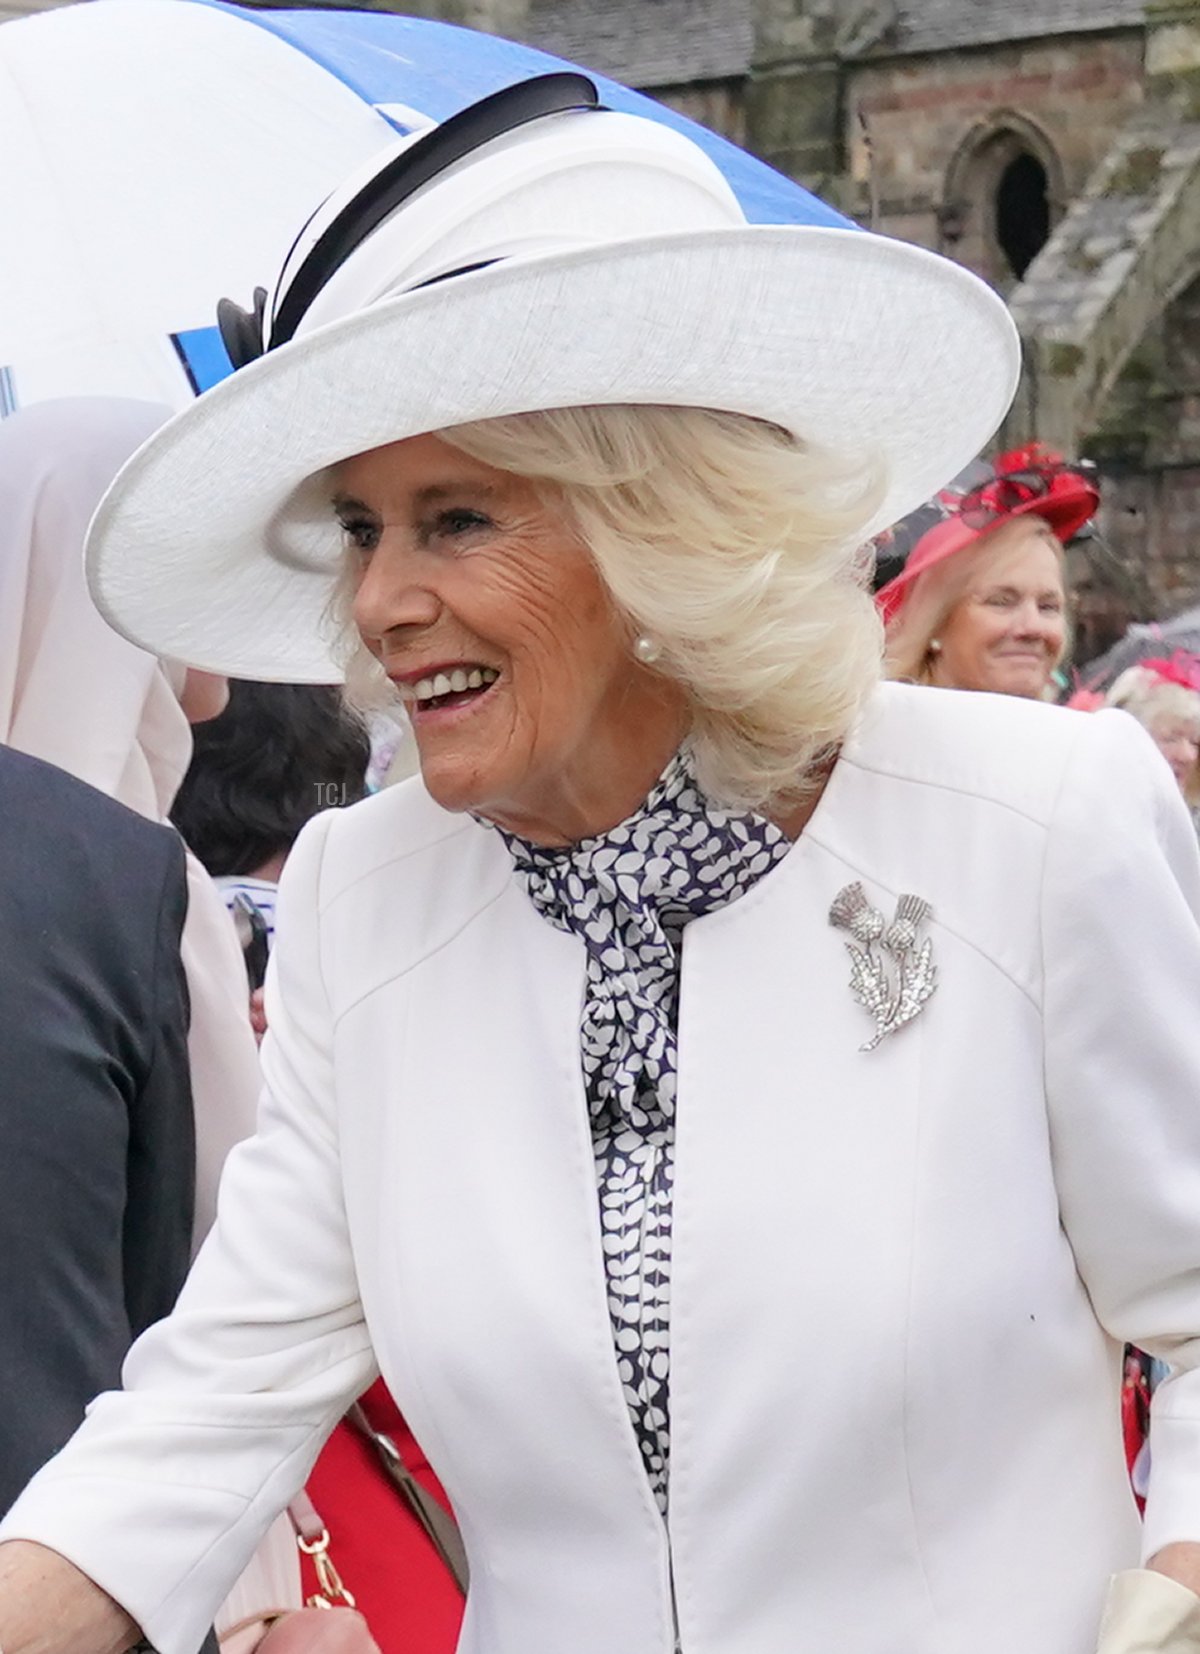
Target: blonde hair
x=1149, y=698
x=934, y=596
x=732, y=545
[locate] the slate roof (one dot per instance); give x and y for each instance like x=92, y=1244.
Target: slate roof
x=672, y=42
x=647, y=42
x=940, y=25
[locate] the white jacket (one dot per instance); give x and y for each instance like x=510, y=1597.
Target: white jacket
x=901, y=1279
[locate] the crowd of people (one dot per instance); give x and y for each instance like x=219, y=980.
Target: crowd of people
x=434, y=1191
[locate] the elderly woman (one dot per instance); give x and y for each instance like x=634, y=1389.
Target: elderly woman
x=980, y=603
x=1164, y=697
x=633, y=1052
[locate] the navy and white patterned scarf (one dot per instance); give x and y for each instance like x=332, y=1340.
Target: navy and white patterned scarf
x=628, y=894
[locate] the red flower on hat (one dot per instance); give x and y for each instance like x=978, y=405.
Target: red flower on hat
x=1020, y=476
x=1031, y=479
x=1182, y=669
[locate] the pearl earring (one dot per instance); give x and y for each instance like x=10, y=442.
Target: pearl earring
x=935, y=646
x=647, y=649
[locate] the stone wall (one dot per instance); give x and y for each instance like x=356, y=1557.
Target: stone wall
x=792, y=123
x=1151, y=520
x=1110, y=312
x=794, y=92
x=926, y=119
x=719, y=105
x=507, y=17
x=1148, y=443
x=12, y=9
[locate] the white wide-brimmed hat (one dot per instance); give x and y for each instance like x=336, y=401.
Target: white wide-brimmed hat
x=507, y=262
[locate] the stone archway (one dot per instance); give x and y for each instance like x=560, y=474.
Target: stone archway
x=1003, y=194
x=1147, y=444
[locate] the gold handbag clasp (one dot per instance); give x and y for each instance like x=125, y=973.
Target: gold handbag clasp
x=332, y=1593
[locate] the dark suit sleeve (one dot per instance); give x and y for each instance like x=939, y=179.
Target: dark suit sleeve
x=161, y=1162
x=96, y=1132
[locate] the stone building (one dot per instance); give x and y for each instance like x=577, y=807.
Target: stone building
x=1051, y=145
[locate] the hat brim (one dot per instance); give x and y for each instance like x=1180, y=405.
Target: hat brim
x=215, y=546
x=1065, y=513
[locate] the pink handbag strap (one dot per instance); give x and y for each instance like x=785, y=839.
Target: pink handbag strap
x=305, y=1518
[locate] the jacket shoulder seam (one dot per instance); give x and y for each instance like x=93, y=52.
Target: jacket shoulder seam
x=400, y=854
x=962, y=791
x=427, y=954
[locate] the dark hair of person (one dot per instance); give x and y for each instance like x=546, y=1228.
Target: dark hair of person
x=278, y=754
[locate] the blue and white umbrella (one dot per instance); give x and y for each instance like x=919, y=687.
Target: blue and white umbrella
x=162, y=154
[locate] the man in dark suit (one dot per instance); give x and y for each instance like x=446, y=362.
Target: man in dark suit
x=97, y=1144
x=97, y=1141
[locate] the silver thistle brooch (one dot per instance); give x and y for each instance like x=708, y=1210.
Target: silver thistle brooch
x=891, y=975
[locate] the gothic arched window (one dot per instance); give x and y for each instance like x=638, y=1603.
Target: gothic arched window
x=1022, y=209
x=1003, y=196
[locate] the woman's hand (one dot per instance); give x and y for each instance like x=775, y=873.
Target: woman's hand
x=47, y=1606
x=319, y=1631
x=1180, y=1562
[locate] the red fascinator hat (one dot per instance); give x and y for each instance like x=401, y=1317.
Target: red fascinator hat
x=1181, y=669
x=1025, y=482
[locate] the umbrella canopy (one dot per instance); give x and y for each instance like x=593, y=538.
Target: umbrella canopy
x=163, y=154
x=1150, y=641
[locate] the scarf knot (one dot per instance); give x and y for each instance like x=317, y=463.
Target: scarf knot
x=628, y=894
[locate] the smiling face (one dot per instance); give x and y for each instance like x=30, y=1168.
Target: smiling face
x=1006, y=632
x=483, y=606
x=1178, y=739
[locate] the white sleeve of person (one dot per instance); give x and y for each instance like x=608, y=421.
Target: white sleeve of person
x=1147, y=1613
x=1121, y=939
x=165, y=1491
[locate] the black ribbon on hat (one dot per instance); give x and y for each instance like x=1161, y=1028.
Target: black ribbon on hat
x=243, y=332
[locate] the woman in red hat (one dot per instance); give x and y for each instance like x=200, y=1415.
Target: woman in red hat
x=980, y=603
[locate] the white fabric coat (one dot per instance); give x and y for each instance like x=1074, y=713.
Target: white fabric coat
x=901, y=1279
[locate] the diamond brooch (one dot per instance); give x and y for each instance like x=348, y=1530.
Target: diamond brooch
x=892, y=975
